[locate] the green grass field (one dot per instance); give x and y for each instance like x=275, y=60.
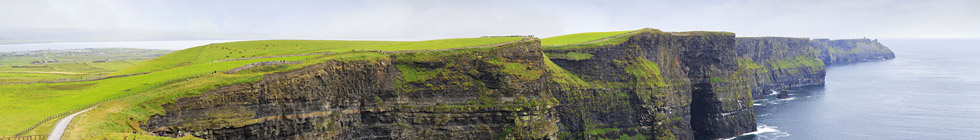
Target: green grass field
x=594, y=36
x=246, y=49
x=183, y=73
x=88, y=55
x=579, y=38
x=59, y=71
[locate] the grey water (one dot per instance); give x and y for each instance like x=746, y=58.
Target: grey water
x=930, y=91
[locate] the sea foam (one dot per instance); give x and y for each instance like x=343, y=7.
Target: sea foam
x=763, y=132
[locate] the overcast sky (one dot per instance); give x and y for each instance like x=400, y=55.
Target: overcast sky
x=415, y=20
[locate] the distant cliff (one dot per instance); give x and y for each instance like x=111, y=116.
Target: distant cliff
x=847, y=51
x=775, y=63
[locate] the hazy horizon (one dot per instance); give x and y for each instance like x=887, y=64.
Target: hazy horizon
x=111, y=20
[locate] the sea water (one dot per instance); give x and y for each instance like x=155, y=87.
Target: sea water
x=930, y=91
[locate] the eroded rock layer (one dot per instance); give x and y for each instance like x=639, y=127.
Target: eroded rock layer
x=656, y=85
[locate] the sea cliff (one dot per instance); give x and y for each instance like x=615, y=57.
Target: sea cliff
x=644, y=84
x=846, y=51
x=776, y=63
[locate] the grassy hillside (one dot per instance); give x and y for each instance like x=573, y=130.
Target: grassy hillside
x=74, y=64
x=246, y=49
x=186, y=73
x=87, y=55
x=617, y=39
x=579, y=38
x=25, y=104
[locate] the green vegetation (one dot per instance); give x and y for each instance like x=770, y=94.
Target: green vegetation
x=646, y=72
x=60, y=71
x=611, y=41
x=191, y=72
x=25, y=104
x=267, y=48
x=571, y=56
x=72, y=64
x=579, y=38
x=601, y=131
x=416, y=74
x=521, y=70
x=798, y=61
x=747, y=63
x=114, y=118
x=186, y=73
x=563, y=77
x=89, y=55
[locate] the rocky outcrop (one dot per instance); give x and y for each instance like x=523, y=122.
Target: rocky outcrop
x=776, y=63
x=656, y=85
x=846, y=51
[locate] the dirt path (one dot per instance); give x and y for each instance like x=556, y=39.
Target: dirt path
x=59, y=128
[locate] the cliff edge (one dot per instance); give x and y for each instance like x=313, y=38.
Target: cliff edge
x=642, y=84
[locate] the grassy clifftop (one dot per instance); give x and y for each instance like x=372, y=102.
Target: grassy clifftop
x=266, y=48
x=579, y=38
x=846, y=51
x=26, y=104
x=597, y=39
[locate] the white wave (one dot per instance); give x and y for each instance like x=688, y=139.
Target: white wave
x=764, y=132
x=788, y=99
x=754, y=104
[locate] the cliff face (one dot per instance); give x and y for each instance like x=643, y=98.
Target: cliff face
x=479, y=93
x=846, y=51
x=646, y=84
x=775, y=63
x=653, y=85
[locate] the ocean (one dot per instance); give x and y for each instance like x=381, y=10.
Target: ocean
x=930, y=91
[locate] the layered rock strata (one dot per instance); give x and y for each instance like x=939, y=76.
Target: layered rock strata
x=645, y=84
x=776, y=63
x=662, y=85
